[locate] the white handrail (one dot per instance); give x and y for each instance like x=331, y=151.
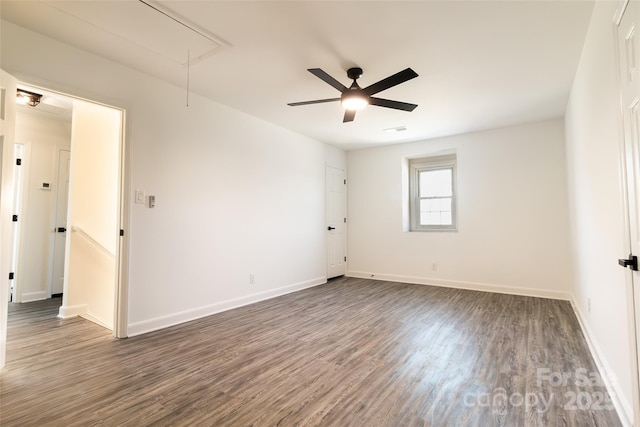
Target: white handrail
x=81, y=232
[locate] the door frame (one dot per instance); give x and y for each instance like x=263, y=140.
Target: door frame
x=120, y=321
x=632, y=322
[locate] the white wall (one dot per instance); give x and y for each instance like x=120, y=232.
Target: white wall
x=235, y=195
x=512, y=214
x=596, y=206
x=41, y=138
x=95, y=152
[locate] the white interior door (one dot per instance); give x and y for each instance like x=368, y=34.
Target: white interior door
x=336, y=222
x=62, y=201
x=628, y=35
x=8, y=85
x=18, y=188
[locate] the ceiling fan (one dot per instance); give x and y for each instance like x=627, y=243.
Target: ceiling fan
x=355, y=98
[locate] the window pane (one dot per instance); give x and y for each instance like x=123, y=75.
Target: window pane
x=445, y=205
x=426, y=218
x=445, y=218
x=429, y=218
x=436, y=183
x=435, y=211
x=427, y=205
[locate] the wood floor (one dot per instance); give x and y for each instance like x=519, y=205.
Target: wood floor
x=349, y=353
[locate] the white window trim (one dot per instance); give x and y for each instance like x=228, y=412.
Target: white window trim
x=426, y=164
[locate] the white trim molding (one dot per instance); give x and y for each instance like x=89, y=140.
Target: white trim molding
x=95, y=319
x=34, y=296
x=69, y=311
x=623, y=407
x=162, y=322
x=472, y=286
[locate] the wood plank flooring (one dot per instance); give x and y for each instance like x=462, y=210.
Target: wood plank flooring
x=352, y=352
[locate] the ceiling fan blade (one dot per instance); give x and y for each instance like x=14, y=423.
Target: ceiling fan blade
x=405, y=106
x=327, y=78
x=317, y=101
x=390, y=81
x=349, y=115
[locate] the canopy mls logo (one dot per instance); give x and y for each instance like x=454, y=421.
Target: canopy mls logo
x=500, y=401
x=582, y=390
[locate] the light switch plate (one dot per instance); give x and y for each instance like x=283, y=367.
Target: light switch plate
x=140, y=196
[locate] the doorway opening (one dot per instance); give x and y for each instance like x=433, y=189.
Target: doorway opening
x=72, y=168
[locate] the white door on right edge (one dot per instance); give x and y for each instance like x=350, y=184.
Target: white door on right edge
x=336, y=222
x=628, y=34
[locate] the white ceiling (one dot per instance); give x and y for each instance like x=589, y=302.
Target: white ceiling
x=481, y=64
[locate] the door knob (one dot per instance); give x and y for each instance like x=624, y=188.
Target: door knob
x=331, y=228
x=631, y=262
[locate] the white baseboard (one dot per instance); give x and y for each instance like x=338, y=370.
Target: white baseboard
x=95, y=319
x=623, y=408
x=69, y=311
x=34, y=296
x=82, y=310
x=162, y=322
x=473, y=286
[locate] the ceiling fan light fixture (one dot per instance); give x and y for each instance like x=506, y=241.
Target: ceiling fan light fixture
x=354, y=100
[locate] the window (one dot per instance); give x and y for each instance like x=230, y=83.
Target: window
x=432, y=189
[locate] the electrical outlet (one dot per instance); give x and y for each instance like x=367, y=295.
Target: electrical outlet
x=434, y=266
x=252, y=279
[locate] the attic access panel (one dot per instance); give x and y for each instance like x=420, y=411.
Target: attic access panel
x=147, y=24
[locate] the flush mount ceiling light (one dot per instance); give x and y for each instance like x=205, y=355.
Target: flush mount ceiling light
x=28, y=98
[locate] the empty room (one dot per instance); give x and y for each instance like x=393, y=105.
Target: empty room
x=319, y=213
